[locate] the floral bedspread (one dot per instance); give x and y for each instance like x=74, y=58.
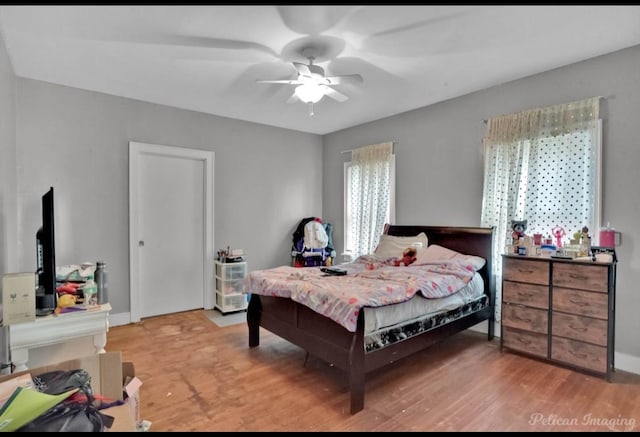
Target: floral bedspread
x=369, y=282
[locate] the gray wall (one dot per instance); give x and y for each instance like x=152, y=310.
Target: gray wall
x=439, y=160
x=8, y=216
x=77, y=142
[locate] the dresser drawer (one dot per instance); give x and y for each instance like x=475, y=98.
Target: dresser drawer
x=590, y=277
x=584, y=303
x=579, y=354
x=529, y=342
x=526, y=318
x=526, y=294
x=580, y=328
x=524, y=270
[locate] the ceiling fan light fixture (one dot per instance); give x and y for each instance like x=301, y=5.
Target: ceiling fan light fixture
x=309, y=93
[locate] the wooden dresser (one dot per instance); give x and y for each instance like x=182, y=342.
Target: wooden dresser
x=559, y=310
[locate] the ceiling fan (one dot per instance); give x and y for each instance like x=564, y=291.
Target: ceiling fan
x=312, y=84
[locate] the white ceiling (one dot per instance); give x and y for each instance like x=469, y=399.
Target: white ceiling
x=208, y=58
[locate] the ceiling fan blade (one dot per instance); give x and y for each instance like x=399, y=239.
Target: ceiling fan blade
x=348, y=78
x=207, y=42
x=220, y=46
x=289, y=82
x=442, y=19
x=336, y=95
x=303, y=69
x=313, y=20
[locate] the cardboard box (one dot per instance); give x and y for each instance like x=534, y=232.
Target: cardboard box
x=18, y=298
x=132, y=391
x=108, y=377
x=122, y=419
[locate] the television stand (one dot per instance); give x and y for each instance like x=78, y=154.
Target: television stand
x=56, y=329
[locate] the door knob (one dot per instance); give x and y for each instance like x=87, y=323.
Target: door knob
x=140, y=243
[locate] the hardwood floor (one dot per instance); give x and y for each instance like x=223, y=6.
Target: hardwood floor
x=200, y=377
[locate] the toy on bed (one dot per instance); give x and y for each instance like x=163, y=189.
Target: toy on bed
x=313, y=243
x=409, y=255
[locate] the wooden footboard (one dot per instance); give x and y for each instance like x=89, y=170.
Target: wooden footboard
x=316, y=334
x=331, y=342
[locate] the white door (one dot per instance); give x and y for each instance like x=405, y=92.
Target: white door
x=171, y=227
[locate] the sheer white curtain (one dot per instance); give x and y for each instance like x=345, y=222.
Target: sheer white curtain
x=368, y=196
x=543, y=166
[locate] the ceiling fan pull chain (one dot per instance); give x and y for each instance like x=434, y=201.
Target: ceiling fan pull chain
x=310, y=109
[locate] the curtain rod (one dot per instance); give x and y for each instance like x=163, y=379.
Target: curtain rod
x=485, y=120
x=351, y=150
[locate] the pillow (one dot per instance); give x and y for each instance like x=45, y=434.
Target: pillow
x=391, y=246
x=435, y=253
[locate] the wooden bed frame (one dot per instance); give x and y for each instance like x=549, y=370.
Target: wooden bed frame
x=331, y=342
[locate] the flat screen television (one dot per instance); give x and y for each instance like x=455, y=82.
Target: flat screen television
x=46, y=259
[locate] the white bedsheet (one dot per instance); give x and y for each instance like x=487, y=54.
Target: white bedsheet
x=379, y=318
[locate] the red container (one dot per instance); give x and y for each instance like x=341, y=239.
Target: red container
x=610, y=238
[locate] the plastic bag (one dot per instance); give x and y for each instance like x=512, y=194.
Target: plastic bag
x=61, y=381
x=67, y=417
x=77, y=413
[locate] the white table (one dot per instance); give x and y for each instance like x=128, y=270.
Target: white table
x=54, y=329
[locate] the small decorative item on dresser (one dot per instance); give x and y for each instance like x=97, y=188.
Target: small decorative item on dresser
x=609, y=237
x=547, y=250
x=518, y=229
x=537, y=239
x=558, y=232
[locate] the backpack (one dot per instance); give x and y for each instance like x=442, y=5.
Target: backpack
x=315, y=235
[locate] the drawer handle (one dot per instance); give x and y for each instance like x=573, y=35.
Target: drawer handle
x=578, y=328
x=523, y=294
x=526, y=271
x=577, y=355
x=573, y=276
x=522, y=320
x=524, y=341
x=579, y=303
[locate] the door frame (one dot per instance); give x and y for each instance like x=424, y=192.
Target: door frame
x=136, y=150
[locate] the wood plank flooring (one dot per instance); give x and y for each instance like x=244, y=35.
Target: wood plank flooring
x=200, y=377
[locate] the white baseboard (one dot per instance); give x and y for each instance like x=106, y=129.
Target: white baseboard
x=119, y=319
x=626, y=362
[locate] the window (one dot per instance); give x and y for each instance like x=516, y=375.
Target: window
x=543, y=166
x=369, y=197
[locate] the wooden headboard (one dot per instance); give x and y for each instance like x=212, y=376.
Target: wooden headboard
x=468, y=240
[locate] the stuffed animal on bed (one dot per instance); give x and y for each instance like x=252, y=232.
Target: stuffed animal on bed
x=408, y=256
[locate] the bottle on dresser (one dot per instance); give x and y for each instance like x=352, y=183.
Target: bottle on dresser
x=101, y=282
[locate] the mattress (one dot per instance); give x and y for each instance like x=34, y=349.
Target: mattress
x=389, y=324
x=382, y=317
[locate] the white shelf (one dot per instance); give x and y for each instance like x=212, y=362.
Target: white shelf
x=54, y=329
x=230, y=295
